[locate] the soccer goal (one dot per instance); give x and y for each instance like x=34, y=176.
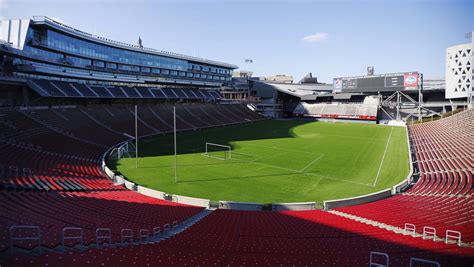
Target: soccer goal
x=218, y=151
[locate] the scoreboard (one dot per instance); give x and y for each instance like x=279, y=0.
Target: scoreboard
x=383, y=82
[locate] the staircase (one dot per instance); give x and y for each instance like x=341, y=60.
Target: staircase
x=392, y=228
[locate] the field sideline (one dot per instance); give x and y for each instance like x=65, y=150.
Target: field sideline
x=275, y=161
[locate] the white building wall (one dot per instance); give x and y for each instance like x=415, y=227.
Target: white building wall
x=13, y=31
x=459, y=71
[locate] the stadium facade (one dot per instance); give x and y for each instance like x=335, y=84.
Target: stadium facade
x=459, y=72
x=44, y=49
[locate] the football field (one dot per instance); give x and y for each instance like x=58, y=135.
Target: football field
x=273, y=161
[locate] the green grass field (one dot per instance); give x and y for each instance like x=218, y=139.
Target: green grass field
x=275, y=161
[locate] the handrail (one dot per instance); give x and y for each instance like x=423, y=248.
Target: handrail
x=418, y=260
x=79, y=237
x=156, y=231
x=454, y=235
x=429, y=232
x=409, y=228
x=24, y=227
x=144, y=235
x=372, y=263
x=126, y=234
x=107, y=236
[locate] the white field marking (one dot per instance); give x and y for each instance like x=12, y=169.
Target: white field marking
x=308, y=173
x=337, y=179
x=338, y=135
x=311, y=163
x=274, y=166
x=213, y=157
x=284, y=149
x=312, y=186
x=261, y=168
x=383, y=157
x=243, y=154
x=230, y=161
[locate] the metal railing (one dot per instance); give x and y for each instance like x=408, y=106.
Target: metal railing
x=156, y=231
x=126, y=234
x=103, y=234
x=144, y=235
x=413, y=261
x=429, y=232
x=65, y=237
x=15, y=228
x=454, y=235
x=409, y=229
x=373, y=255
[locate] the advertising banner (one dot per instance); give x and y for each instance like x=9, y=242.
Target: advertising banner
x=410, y=80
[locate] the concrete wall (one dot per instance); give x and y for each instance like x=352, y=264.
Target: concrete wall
x=150, y=192
x=397, y=188
x=119, y=180
x=109, y=173
x=14, y=31
x=130, y=186
x=200, y=202
x=346, y=121
x=230, y=205
x=458, y=76
x=330, y=204
x=294, y=206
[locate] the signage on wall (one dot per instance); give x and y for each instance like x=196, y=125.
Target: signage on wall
x=410, y=80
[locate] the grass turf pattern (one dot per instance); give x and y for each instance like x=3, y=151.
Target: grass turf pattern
x=274, y=161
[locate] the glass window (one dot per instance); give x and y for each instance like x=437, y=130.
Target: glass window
x=125, y=67
x=78, y=46
x=99, y=64
x=111, y=65
x=77, y=61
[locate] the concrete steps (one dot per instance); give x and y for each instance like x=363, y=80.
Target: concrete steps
x=394, y=229
x=180, y=227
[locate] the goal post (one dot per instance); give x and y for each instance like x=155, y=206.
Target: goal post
x=218, y=151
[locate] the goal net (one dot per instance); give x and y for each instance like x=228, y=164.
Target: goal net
x=218, y=151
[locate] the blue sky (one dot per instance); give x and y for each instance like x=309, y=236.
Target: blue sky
x=328, y=38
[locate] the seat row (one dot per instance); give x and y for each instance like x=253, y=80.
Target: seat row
x=116, y=210
x=442, y=198
x=246, y=238
x=48, y=88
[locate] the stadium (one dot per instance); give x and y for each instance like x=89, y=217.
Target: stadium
x=115, y=154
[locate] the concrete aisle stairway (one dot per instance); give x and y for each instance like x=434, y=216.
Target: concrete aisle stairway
x=392, y=228
x=178, y=228
x=181, y=226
